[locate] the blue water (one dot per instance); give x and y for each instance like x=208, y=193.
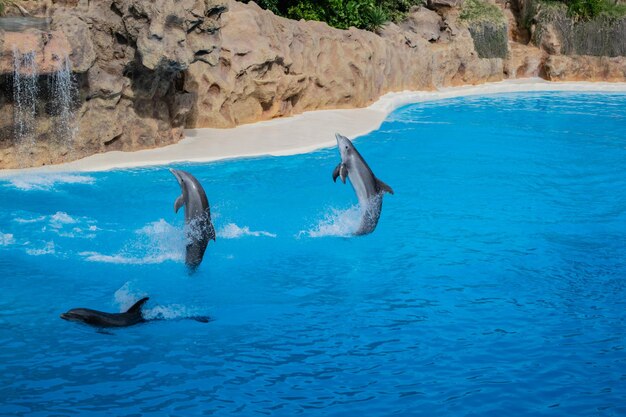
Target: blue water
x=495, y=283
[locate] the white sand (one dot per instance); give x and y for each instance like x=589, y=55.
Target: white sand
x=298, y=134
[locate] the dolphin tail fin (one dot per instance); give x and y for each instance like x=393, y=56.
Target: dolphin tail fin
x=383, y=187
x=180, y=201
x=136, y=308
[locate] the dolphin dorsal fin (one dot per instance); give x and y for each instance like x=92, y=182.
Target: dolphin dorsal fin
x=180, y=201
x=136, y=308
x=383, y=187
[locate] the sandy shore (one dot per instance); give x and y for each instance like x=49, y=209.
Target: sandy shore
x=298, y=134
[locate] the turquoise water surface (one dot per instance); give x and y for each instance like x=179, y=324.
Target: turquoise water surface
x=495, y=283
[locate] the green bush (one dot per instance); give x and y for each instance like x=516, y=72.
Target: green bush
x=398, y=9
x=487, y=25
x=363, y=14
x=4, y=4
x=306, y=11
x=584, y=9
x=481, y=11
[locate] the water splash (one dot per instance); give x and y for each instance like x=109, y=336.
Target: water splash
x=154, y=243
x=48, y=249
x=25, y=92
x=232, y=231
x=6, y=239
x=337, y=222
x=127, y=295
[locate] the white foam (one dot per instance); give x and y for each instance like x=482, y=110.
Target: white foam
x=130, y=260
x=33, y=220
x=155, y=243
x=6, y=239
x=49, y=249
x=61, y=218
x=232, y=231
x=169, y=312
x=83, y=227
x=45, y=182
x=336, y=223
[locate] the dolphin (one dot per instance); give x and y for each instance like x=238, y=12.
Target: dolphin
x=369, y=189
x=197, y=217
x=101, y=319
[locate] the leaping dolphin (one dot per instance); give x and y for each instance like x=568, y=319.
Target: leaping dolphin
x=197, y=217
x=369, y=189
x=102, y=319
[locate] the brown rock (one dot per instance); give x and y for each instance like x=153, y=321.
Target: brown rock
x=299, y=66
x=585, y=68
x=83, y=54
x=524, y=61
x=425, y=23
x=550, y=41
x=49, y=49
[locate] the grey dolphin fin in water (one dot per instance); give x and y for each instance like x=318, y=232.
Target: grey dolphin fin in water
x=199, y=227
x=369, y=189
x=101, y=319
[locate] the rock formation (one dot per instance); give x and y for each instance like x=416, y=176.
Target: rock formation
x=128, y=58
x=295, y=66
x=143, y=71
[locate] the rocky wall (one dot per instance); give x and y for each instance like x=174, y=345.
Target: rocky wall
x=272, y=67
x=128, y=59
x=557, y=33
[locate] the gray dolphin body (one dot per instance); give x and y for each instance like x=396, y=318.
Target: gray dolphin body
x=197, y=217
x=369, y=189
x=101, y=319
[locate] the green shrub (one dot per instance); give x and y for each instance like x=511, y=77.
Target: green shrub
x=481, y=11
x=4, y=4
x=487, y=25
x=584, y=9
x=613, y=10
x=363, y=14
x=306, y=11
x=375, y=17
x=398, y=9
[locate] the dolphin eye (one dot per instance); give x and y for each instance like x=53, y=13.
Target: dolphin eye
x=346, y=146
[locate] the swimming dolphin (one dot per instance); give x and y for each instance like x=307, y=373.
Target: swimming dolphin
x=197, y=217
x=369, y=189
x=102, y=319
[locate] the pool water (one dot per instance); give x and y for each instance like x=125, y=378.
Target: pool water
x=495, y=283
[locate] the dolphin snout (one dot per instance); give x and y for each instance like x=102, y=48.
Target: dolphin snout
x=177, y=175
